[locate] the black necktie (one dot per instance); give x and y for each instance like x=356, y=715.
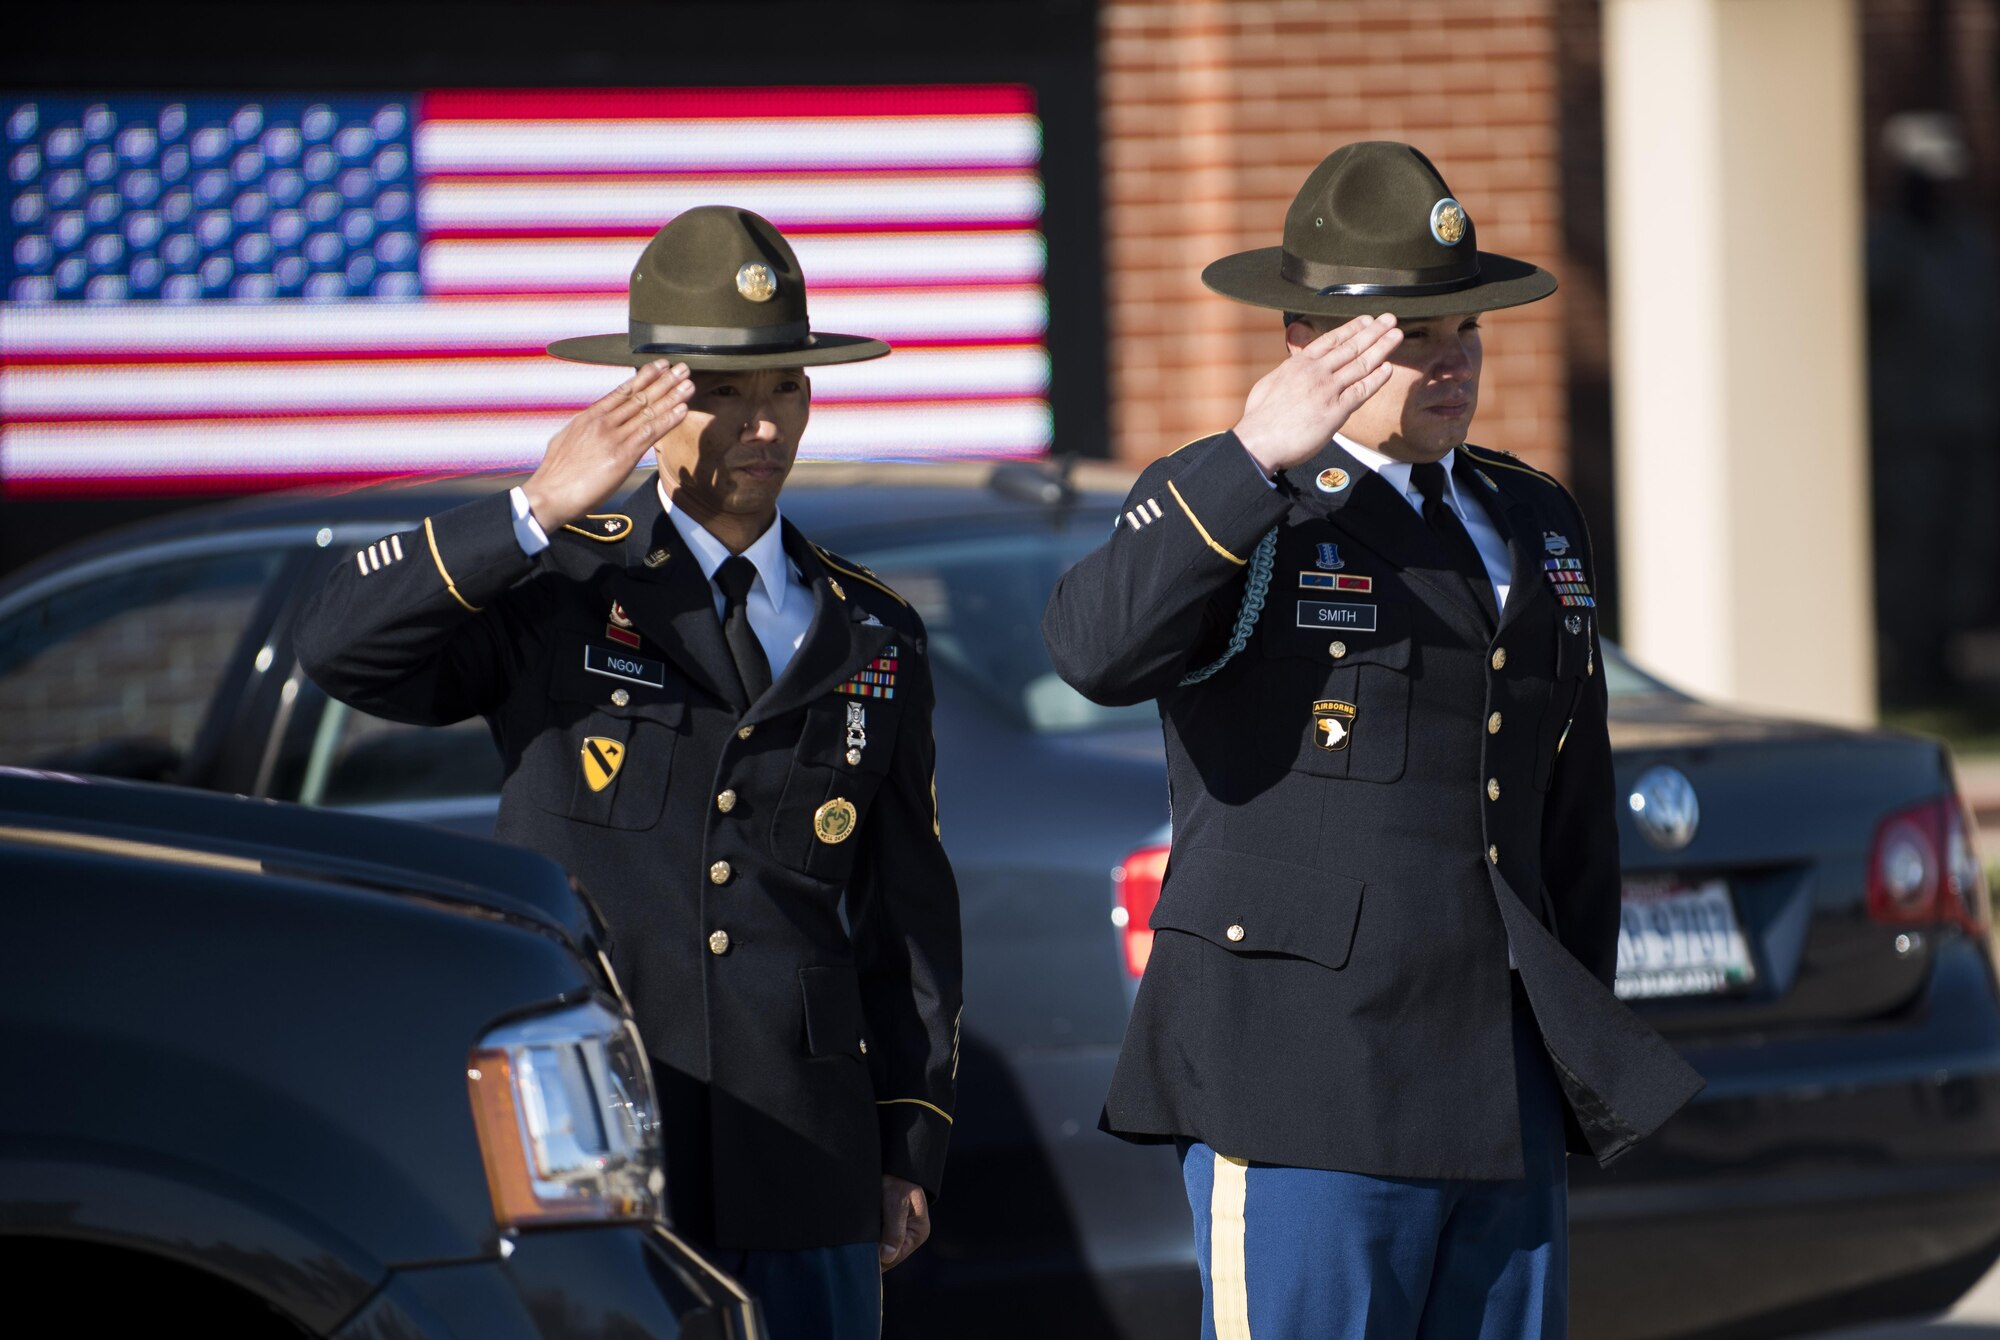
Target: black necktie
x=733, y=579
x=1457, y=541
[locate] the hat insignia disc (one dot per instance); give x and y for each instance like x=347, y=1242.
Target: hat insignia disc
x=1448, y=221
x=756, y=282
x=1332, y=479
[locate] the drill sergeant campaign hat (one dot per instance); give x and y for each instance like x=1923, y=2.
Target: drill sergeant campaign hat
x=1375, y=229
x=719, y=288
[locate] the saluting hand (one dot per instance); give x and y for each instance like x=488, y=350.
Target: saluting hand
x=596, y=450
x=1295, y=409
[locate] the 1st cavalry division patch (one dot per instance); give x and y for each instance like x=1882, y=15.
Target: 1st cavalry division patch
x=601, y=760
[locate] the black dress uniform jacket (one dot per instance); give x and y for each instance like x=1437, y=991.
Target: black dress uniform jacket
x=1371, y=800
x=797, y=1060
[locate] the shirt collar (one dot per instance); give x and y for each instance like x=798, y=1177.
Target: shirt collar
x=766, y=554
x=1396, y=474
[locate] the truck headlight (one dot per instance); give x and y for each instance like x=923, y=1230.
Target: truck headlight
x=563, y=1103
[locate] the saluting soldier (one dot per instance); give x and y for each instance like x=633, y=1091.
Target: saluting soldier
x=724, y=732
x=1380, y=989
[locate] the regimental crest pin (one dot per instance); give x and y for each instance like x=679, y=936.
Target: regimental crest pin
x=602, y=758
x=619, y=629
x=1329, y=559
x=1333, y=724
x=833, y=822
x=619, y=616
x=1333, y=479
x=1552, y=543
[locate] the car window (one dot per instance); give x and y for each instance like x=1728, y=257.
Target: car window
x=115, y=675
x=336, y=756
x=981, y=594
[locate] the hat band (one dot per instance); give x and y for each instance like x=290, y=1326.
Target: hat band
x=1359, y=281
x=651, y=339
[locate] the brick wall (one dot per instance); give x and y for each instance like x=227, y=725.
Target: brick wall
x=1215, y=111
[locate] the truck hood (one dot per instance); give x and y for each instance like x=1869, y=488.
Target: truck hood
x=290, y=843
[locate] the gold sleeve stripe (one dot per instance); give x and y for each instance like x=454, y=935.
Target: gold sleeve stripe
x=885, y=1102
x=438, y=559
x=1199, y=528
x=937, y=824
x=831, y=562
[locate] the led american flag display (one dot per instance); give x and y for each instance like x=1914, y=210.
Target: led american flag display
x=212, y=294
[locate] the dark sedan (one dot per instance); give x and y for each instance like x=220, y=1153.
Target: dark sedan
x=1804, y=917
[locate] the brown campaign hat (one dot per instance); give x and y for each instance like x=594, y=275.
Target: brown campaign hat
x=1375, y=229
x=719, y=288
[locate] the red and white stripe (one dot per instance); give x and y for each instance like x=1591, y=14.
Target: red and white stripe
x=915, y=213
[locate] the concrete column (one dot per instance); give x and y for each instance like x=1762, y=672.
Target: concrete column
x=1732, y=143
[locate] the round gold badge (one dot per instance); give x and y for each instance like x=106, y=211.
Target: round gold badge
x=833, y=822
x=1448, y=221
x=1332, y=479
x=756, y=282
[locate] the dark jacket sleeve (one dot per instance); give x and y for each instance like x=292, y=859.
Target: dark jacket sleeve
x=1580, y=821
x=1126, y=623
x=903, y=917
x=422, y=625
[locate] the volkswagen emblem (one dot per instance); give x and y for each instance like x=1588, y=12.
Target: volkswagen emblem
x=1664, y=807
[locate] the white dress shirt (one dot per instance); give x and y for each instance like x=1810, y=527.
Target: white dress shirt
x=780, y=602
x=1485, y=535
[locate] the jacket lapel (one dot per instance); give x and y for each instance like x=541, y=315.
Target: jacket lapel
x=839, y=641
x=670, y=600
x=1515, y=520
x=1369, y=510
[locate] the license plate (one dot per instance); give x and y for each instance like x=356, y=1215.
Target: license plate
x=1679, y=939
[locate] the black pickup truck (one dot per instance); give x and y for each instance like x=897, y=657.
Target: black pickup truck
x=275, y=1072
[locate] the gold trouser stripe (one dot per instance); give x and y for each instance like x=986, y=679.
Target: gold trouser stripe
x=1201, y=529
x=1229, y=1287
x=885, y=1102
x=438, y=559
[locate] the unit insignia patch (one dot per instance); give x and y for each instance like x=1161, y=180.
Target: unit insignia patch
x=1333, y=724
x=602, y=758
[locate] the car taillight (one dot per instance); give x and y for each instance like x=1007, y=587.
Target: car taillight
x=1137, y=881
x=1923, y=870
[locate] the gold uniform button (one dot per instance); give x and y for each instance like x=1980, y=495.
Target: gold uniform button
x=1493, y=788
x=619, y=697
x=1493, y=724
x=1235, y=934
x=726, y=801
x=1337, y=650
x=719, y=873
x=1493, y=855
x=864, y=1046
x=1499, y=658
x=743, y=732
x=718, y=942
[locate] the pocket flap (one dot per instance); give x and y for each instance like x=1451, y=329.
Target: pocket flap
x=833, y=1011
x=1255, y=905
x=1375, y=631
x=592, y=672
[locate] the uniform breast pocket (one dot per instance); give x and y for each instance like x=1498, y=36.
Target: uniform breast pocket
x=1339, y=695
x=845, y=747
x=1574, y=658
x=606, y=751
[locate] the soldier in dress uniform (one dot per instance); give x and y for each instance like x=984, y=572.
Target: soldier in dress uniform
x=1379, y=1002
x=724, y=732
